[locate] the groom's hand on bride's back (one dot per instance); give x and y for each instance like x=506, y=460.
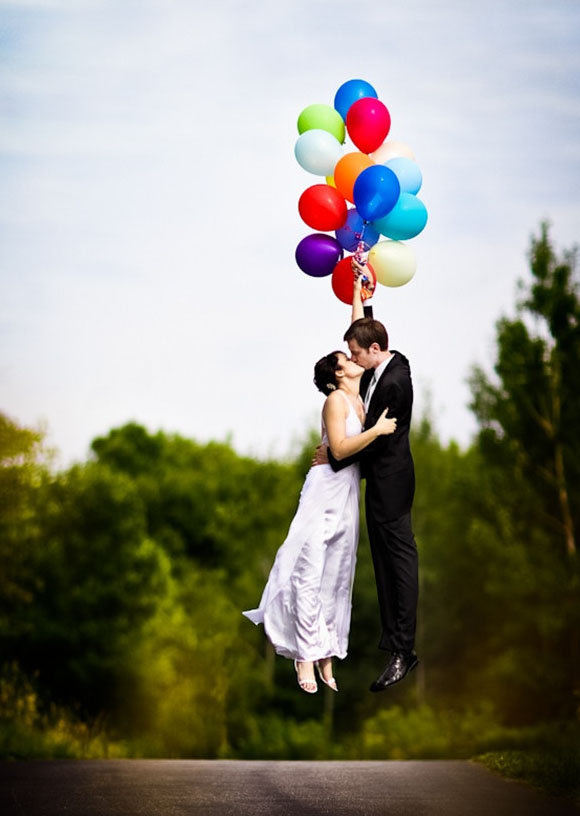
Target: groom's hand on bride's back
x=320, y=455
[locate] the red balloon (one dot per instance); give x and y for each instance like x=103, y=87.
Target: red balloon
x=322, y=207
x=343, y=279
x=368, y=123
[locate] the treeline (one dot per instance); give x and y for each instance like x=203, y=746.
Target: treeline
x=122, y=581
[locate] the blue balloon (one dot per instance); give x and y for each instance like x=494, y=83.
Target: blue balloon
x=406, y=220
x=376, y=192
x=408, y=173
x=351, y=92
x=354, y=230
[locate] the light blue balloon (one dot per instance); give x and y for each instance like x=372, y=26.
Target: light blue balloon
x=318, y=151
x=408, y=173
x=355, y=230
x=406, y=220
x=350, y=92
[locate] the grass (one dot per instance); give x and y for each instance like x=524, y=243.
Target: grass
x=556, y=772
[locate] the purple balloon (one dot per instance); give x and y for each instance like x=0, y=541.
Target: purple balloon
x=318, y=254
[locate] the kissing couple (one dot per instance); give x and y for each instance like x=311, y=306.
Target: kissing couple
x=306, y=605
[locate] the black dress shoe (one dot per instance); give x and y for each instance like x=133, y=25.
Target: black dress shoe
x=396, y=669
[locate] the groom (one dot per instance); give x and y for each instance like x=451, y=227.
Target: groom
x=387, y=465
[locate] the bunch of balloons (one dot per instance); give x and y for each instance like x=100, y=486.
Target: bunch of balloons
x=380, y=178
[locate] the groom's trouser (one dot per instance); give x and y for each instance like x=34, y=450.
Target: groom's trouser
x=396, y=572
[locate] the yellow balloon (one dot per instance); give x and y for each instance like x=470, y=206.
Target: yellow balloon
x=330, y=180
x=391, y=150
x=393, y=262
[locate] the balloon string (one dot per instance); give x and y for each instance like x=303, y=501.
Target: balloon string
x=360, y=244
x=368, y=287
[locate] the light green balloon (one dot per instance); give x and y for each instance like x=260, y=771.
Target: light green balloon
x=322, y=117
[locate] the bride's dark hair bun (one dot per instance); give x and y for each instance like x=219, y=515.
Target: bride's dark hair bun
x=325, y=373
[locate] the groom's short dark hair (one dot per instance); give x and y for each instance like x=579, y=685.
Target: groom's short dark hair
x=367, y=331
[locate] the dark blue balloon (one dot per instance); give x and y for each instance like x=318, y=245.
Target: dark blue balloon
x=318, y=254
x=351, y=92
x=376, y=191
x=355, y=230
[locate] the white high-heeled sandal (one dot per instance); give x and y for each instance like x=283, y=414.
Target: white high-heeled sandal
x=331, y=683
x=303, y=683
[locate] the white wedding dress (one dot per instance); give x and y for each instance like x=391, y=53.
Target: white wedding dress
x=306, y=604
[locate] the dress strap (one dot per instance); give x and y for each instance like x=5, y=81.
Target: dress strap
x=353, y=409
x=349, y=403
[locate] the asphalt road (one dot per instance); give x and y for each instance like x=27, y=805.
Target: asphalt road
x=215, y=788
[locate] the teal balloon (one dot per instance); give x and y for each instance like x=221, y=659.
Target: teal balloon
x=408, y=173
x=406, y=220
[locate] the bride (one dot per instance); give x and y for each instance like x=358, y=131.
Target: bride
x=306, y=604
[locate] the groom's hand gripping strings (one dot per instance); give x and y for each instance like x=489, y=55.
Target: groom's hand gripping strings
x=363, y=288
x=357, y=291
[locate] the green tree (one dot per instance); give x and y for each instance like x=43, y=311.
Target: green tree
x=23, y=469
x=220, y=517
x=205, y=502
x=98, y=579
x=530, y=447
x=530, y=415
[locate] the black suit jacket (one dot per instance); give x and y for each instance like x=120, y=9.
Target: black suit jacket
x=387, y=463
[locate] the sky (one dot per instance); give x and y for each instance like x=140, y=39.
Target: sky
x=148, y=206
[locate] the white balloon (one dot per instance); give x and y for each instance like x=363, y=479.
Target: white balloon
x=391, y=150
x=318, y=151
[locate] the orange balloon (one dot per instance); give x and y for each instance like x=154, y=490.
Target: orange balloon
x=347, y=170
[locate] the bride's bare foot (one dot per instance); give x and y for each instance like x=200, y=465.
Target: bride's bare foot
x=324, y=667
x=305, y=675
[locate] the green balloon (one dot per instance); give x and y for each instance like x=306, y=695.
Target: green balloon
x=322, y=117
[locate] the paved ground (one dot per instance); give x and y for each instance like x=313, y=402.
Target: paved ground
x=216, y=788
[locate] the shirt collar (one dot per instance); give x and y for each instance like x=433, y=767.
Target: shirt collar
x=380, y=368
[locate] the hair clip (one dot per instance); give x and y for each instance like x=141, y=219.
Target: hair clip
x=331, y=387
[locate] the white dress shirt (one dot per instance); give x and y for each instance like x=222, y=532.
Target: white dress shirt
x=375, y=378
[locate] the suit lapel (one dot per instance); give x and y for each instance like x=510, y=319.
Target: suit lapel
x=380, y=382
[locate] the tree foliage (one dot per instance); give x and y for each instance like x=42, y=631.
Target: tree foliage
x=530, y=447
x=529, y=416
